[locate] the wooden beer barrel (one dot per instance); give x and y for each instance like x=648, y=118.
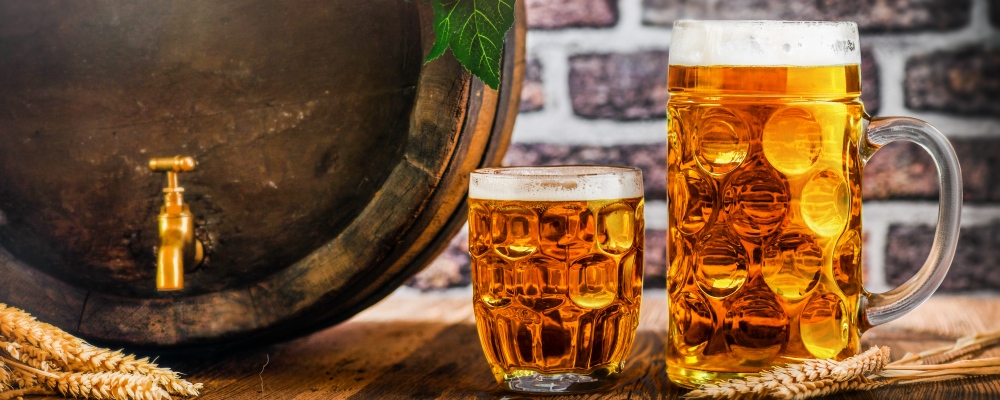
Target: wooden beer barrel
x=333, y=163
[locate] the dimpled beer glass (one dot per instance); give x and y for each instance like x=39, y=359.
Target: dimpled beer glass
x=766, y=144
x=556, y=273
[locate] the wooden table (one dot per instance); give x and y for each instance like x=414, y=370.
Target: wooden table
x=423, y=346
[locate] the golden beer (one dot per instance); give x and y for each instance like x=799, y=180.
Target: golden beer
x=557, y=273
x=764, y=238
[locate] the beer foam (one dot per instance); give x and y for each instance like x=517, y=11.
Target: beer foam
x=764, y=43
x=563, y=183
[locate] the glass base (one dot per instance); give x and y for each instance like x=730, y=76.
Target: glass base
x=557, y=383
x=693, y=378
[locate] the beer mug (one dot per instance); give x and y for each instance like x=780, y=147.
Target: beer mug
x=556, y=273
x=766, y=145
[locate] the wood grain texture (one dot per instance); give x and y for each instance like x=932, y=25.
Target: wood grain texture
x=413, y=346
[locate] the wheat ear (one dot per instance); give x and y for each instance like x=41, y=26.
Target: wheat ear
x=100, y=385
x=22, y=328
x=764, y=381
x=96, y=359
x=75, y=354
x=30, y=355
x=6, y=377
x=108, y=385
x=862, y=364
x=805, y=390
x=758, y=385
x=809, y=371
x=963, y=346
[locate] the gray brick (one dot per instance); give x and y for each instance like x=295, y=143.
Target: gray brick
x=558, y=14
x=905, y=171
x=963, y=81
x=632, y=86
x=532, y=94
x=655, y=268
x=900, y=171
x=619, y=86
x=871, y=15
x=650, y=158
x=870, y=90
x=976, y=260
x=995, y=13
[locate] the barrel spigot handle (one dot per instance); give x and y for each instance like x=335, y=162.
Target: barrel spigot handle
x=179, y=250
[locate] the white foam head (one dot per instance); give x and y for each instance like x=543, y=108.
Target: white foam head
x=764, y=43
x=563, y=183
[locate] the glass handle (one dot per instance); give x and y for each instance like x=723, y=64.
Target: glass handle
x=884, y=307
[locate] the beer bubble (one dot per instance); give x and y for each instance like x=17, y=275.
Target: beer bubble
x=721, y=266
x=623, y=332
x=756, y=325
x=792, y=140
x=567, y=230
x=679, y=262
x=555, y=341
x=540, y=283
x=792, y=264
x=593, y=281
x=824, y=326
x=674, y=135
x=479, y=230
x=847, y=262
x=756, y=201
x=631, y=279
x=826, y=203
x=693, y=322
x=611, y=325
x=515, y=231
x=640, y=218
x=495, y=277
x=692, y=200
x=616, y=228
x=720, y=141
x=489, y=335
x=525, y=326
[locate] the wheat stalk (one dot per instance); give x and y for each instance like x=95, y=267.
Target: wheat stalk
x=809, y=371
x=96, y=359
x=109, y=385
x=862, y=364
x=865, y=371
x=31, y=356
x=44, y=354
x=74, y=354
x=22, y=328
x=100, y=385
x=963, y=346
x=805, y=390
x=5, y=377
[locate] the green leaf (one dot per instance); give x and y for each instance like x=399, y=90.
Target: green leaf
x=474, y=30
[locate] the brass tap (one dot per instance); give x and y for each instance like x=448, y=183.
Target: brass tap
x=179, y=249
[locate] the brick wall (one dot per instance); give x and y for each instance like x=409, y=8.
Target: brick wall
x=595, y=93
